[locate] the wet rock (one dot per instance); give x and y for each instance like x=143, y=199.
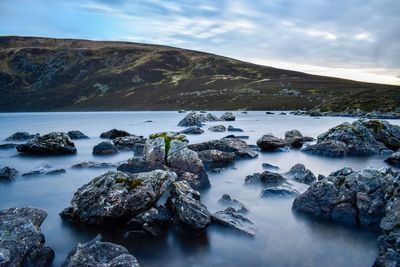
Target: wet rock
x=136, y=165
x=233, y=129
x=265, y=178
x=217, y=128
x=105, y=148
x=239, y=147
x=54, y=143
x=293, y=133
x=114, y=133
x=115, y=197
x=193, y=130
x=94, y=165
x=269, y=142
x=282, y=190
x=216, y=159
x=233, y=203
x=227, y=116
x=8, y=174
x=21, y=136
x=128, y=142
x=77, y=135
x=192, y=119
x=294, y=138
x=21, y=241
x=153, y=222
x=270, y=166
x=231, y=218
x=394, y=159
x=329, y=148
x=7, y=146
x=97, y=253
x=300, y=174
x=189, y=215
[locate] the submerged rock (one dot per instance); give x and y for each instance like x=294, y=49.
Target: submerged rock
x=105, y=148
x=54, y=143
x=115, y=197
x=300, y=174
x=21, y=241
x=270, y=166
x=128, y=142
x=77, y=135
x=44, y=169
x=329, y=148
x=21, y=136
x=227, y=116
x=266, y=178
x=282, y=190
x=189, y=215
x=8, y=174
x=114, y=133
x=233, y=129
x=217, y=128
x=97, y=253
x=239, y=147
x=216, y=159
x=193, y=130
x=233, y=203
x=394, y=159
x=231, y=218
x=268, y=142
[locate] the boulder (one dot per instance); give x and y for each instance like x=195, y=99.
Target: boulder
x=189, y=215
x=136, y=165
x=394, y=159
x=21, y=136
x=153, y=222
x=227, y=116
x=8, y=174
x=233, y=129
x=232, y=218
x=77, y=135
x=54, y=143
x=154, y=150
x=114, y=133
x=211, y=117
x=193, y=130
x=192, y=119
x=128, y=142
x=384, y=132
x=268, y=142
x=21, y=240
x=239, y=147
x=104, y=148
x=115, y=197
x=329, y=148
x=300, y=174
x=292, y=134
x=266, y=178
x=294, y=138
x=217, y=128
x=97, y=253
x=94, y=165
x=216, y=159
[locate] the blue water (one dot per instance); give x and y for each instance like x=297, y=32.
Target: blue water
x=283, y=239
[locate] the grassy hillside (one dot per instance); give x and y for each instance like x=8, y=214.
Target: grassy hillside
x=43, y=74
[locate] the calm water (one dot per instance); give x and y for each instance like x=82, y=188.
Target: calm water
x=284, y=239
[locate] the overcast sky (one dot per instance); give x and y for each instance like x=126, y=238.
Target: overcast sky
x=357, y=39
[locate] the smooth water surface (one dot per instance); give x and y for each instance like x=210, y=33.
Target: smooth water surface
x=284, y=238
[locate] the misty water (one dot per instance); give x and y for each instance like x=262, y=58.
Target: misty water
x=284, y=238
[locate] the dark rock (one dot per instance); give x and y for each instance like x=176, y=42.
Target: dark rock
x=7, y=146
x=21, y=136
x=237, y=136
x=282, y=190
x=227, y=116
x=269, y=113
x=211, y=117
x=154, y=222
x=329, y=148
x=105, y=148
x=394, y=159
x=193, y=130
x=115, y=197
x=94, y=165
x=192, y=119
x=226, y=200
x=8, y=174
x=389, y=250
x=269, y=142
x=384, y=132
x=136, y=165
x=97, y=253
x=54, y=143
x=292, y=134
x=233, y=129
x=308, y=139
x=217, y=128
x=269, y=166
x=189, y=215
x=21, y=241
x=138, y=149
x=114, y=133
x=282, y=113
x=231, y=218
x=128, y=142
x=300, y=174
x=239, y=147
x=77, y=135
x=44, y=169
x=266, y=178
x=216, y=159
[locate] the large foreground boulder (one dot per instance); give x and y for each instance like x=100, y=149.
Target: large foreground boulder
x=268, y=142
x=239, y=147
x=54, y=143
x=96, y=253
x=21, y=241
x=115, y=197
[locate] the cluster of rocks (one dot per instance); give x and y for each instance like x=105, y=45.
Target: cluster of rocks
x=351, y=113
x=197, y=119
x=293, y=139
x=370, y=197
x=121, y=140
x=362, y=137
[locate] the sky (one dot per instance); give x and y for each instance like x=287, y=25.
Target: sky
x=355, y=39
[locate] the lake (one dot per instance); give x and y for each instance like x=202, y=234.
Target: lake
x=283, y=239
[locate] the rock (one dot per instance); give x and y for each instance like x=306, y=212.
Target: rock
x=216, y=159
x=115, y=197
x=231, y=218
x=282, y=190
x=394, y=159
x=54, y=143
x=154, y=222
x=114, y=133
x=104, y=148
x=97, y=253
x=217, y=128
x=357, y=137
x=21, y=136
x=292, y=134
x=308, y=139
x=329, y=148
x=21, y=241
x=233, y=129
x=192, y=119
x=237, y=136
x=266, y=178
x=136, y=165
x=227, y=116
x=389, y=250
x=193, y=130
x=269, y=166
x=8, y=174
x=300, y=174
x=77, y=135
x=211, y=117
x=282, y=113
x=94, y=165
x=154, y=150
x=189, y=215
x=181, y=111
x=294, y=138
x=44, y=169
x=384, y=132
x=269, y=142
x=239, y=147
x=138, y=149
x=269, y=113
x=7, y=146
x=233, y=203
x=128, y=142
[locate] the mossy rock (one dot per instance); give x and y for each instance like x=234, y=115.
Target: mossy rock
x=167, y=138
x=131, y=183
